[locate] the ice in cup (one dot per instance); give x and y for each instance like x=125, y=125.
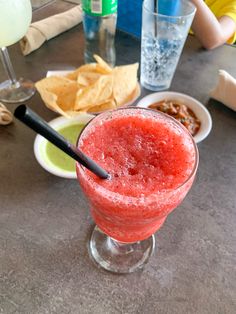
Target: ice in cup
x=163, y=38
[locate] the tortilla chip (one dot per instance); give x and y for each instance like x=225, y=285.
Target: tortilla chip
x=88, y=69
x=93, y=87
x=58, y=91
x=124, y=82
x=96, y=94
x=111, y=104
x=103, y=64
x=87, y=78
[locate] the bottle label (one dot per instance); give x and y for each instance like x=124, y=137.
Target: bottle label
x=99, y=7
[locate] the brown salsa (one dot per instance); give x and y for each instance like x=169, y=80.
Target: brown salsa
x=180, y=112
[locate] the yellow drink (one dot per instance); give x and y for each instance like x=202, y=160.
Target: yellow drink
x=15, y=17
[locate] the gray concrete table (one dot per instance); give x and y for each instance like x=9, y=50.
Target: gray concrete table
x=45, y=221
x=36, y=4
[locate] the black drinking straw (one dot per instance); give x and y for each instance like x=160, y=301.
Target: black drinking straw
x=155, y=6
x=155, y=17
x=36, y=123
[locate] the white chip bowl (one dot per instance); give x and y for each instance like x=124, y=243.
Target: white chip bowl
x=40, y=145
x=199, y=109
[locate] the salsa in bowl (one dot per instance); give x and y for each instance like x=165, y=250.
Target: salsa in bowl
x=187, y=110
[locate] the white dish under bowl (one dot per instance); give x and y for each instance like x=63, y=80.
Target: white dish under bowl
x=199, y=109
x=58, y=73
x=40, y=144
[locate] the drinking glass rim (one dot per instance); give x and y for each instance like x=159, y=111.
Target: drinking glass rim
x=171, y=16
x=160, y=193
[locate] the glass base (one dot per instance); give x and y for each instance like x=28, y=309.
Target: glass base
x=118, y=257
x=155, y=88
x=17, y=92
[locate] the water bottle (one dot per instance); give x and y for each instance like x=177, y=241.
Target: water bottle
x=99, y=23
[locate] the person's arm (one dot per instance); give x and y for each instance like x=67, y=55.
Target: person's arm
x=210, y=31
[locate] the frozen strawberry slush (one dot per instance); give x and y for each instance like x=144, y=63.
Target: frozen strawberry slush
x=152, y=161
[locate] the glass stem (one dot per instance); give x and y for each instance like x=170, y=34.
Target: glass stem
x=120, y=247
x=8, y=66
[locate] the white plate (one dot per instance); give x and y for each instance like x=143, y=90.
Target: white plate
x=58, y=73
x=40, y=145
x=201, y=112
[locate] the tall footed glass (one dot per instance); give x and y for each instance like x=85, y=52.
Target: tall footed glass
x=152, y=160
x=15, y=18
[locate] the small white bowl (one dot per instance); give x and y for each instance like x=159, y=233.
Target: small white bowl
x=40, y=144
x=201, y=112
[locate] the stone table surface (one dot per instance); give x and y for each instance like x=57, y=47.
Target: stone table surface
x=36, y=4
x=45, y=222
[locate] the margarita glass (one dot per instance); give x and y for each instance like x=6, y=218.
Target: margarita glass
x=152, y=160
x=15, y=18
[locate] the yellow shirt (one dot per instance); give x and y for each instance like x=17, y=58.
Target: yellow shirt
x=224, y=7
